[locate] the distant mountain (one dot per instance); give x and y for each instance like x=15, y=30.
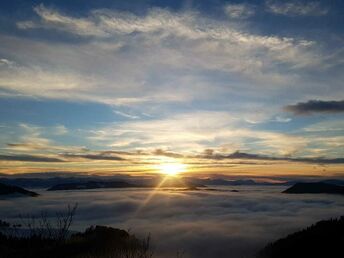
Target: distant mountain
x=315, y=188
x=50, y=179
x=91, y=185
x=46, y=182
x=119, y=184
x=11, y=189
x=334, y=181
x=226, y=182
x=322, y=240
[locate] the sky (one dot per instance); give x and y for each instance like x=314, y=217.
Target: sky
x=232, y=88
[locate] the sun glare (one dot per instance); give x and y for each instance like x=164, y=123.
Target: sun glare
x=172, y=169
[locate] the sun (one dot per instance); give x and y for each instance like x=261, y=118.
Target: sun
x=172, y=169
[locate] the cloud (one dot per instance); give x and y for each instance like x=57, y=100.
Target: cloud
x=59, y=130
x=187, y=25
x=239, y=11
x=99, y=156
x=51, y=17
x=157, y=58
x=125, y=114
x=29, y=158
x=192, y=132
x=226, y=223
x=160, y=152
x=295, y=8
x=4, y=61
x=200, y=138
x=316, y=106
x=167, y=64
x=326, y=126
x=248, y=156
x=34, y=139
x=41, y=145
x=282, y=119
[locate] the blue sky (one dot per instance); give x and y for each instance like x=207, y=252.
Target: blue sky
x=184, y=77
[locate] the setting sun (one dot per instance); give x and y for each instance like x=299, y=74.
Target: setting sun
x=172, y=169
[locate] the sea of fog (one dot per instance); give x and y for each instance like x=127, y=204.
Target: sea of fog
x=202, y=224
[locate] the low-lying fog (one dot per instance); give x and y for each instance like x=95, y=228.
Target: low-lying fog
x=200, y=223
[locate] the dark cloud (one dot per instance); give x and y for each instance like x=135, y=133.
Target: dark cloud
x=161, y=152
x=320, y=160
x=99, y=156
x=40, y=158
x=110, y=152
x=316, y=106
x=243, y=155
x=30, y=158
x=20, y=145
x=211, y=154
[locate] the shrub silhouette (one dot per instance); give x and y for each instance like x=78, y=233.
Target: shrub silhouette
x=48, y=238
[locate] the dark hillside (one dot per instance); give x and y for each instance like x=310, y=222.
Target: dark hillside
x=322, y=240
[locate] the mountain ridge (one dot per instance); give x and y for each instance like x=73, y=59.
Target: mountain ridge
x=11, y=189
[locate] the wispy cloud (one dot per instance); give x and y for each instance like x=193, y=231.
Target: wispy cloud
x=239, y=11
x=33, y=139
x=296, y=8
x=126, y=114
x=326, y=126
x=159, y=41
x=215, y=82
x=4, y=61
x=155, y=59
x=195, y=131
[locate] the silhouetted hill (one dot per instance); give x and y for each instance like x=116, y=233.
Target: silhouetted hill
x=315, y=188
x=238, y=182
x=325, y=239
x=95, y=242
x=37, y=180
x=334, y=181
x=44, y=181
x=91, y=185
x=121, y=184
x=41, y=182
x=11, y=189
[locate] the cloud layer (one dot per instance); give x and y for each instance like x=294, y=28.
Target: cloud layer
x=226, y=223
x=161, y=54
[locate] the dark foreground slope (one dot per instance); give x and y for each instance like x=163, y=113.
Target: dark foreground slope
x=95, y=242
x=325, y=239
x=11, y=189
x=315, y=188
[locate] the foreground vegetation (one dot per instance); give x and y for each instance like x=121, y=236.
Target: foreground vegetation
x=42, y=237
x=322, y=240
